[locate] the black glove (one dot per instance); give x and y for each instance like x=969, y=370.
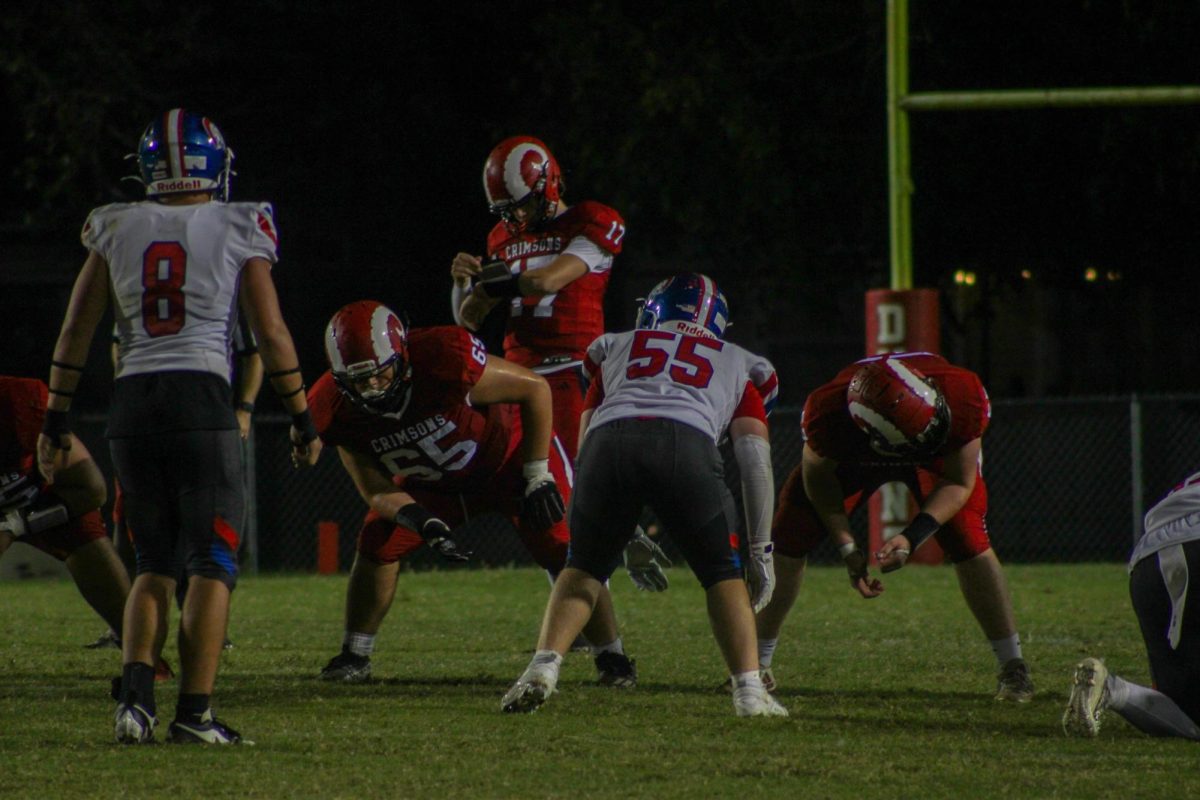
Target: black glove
x=435, y=532
x=543, y=505
x=437, y=535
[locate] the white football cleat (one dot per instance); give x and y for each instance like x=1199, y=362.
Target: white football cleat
x=1089, y=698
x=532, y=689
x=133, y=724
x=754, y=702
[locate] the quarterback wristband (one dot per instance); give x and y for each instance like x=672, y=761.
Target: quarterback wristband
x=55, y=424
x=303, y=422
x=245, y=406
x=921, y=528
x=498, y=282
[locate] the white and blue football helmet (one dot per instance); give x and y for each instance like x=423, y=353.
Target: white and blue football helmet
x=182, y=151
x=689, y=303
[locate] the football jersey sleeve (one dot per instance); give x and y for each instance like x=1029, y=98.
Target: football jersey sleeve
x=449, y=356
x=824, y=422
x=751, y=404
x=970, y=408
x=321, y=402
x=601, y=225
x=97, y=229
x=255, y=226
x=766, y=382
x=596, y=353
x=595, y=392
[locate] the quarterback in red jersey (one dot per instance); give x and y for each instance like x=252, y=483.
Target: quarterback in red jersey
x=63, y=518
x=550, y=262
x=912, y=418
x=432, y=429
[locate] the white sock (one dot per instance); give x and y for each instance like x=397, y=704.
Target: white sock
x=1149, y=710
x=546, y=658
x=360, y=644
x=614, y=646
x=747, y=680
x=766, y=651
x=1007, y=649
x=545, y=664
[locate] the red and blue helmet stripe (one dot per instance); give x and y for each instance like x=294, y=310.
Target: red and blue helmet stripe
x=692, y=300
x=182, y=151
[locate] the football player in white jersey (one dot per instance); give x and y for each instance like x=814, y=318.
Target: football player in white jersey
x=1169, y=616
x=661, y=397
x=175, y=268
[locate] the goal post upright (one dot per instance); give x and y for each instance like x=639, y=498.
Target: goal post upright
x=904, y=318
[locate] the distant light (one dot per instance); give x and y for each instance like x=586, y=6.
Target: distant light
x=1027, y=274
x=964, y=277
x=1090, y=274
x=1113, y=275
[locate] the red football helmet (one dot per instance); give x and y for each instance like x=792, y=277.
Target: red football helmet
x=899, y=408
x=364, y=339
x=518, y=169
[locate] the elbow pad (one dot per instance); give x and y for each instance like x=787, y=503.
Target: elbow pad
x=753, y=454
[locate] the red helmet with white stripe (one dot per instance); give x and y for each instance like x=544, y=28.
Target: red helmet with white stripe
x=362, y=341
x=520, y=169
x=899, y=408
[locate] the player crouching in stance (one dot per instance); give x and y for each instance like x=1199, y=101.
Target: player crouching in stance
x=912, y=418
x=1163, y=558
x=660, y=398
x=426, y=425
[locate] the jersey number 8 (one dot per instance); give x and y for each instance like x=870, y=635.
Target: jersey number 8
x=164, y=268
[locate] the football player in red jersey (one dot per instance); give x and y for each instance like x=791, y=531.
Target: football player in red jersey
x=549, y=262
x=912, y=418
x=432, y=429
x=62, y=518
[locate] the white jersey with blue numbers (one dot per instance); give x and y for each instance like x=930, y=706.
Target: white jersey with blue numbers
x=698, y=381
x=174, y=272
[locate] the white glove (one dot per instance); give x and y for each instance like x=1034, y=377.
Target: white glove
x=760, y=575
x=13, y=521
x=644, y=560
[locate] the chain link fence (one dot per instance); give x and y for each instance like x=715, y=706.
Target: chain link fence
x=1068, y=480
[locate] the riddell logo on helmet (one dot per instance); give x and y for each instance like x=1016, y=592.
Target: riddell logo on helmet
x=180, y=185
x=691, y=328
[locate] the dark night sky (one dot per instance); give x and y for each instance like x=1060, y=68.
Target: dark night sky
x=746, y=139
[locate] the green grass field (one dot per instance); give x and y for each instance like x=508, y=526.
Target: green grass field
x=889, y=698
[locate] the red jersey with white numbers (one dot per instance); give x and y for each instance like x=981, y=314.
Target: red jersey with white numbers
x=438, y=440
x=829, y=430
x=566, y=322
